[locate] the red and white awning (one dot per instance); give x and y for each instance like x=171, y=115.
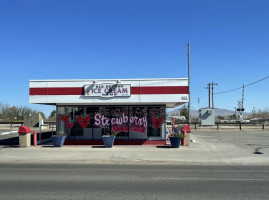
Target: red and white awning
x=169, y=92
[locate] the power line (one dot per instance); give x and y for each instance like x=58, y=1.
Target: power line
x=257, y=81
x=242, y=86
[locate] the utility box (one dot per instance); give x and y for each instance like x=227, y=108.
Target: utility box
x=24, y=136
x=207, y=116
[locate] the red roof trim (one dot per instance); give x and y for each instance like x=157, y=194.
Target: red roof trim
x=57, y=91
x=160, y=90
x=134, y=90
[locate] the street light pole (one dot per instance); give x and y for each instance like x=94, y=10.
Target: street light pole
x=189, y=105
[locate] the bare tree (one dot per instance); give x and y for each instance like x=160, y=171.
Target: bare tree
x=263, y=114
x=15, y=113
x=3, y=110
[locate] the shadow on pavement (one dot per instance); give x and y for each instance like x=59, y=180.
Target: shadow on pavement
x=9, y=146
x=257, y=150
x=10, y=142
x=99, y=146
x=14, y=141
x=164, y=147
x=48, y=146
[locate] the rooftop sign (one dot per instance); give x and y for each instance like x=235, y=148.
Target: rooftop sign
x=107, y=90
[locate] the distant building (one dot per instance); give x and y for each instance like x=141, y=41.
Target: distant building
x=207, y=116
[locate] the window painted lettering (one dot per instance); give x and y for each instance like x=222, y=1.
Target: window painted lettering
x=120, y=120
x=101, y=120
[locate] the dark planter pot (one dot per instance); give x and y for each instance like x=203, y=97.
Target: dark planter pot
x=175, y=141
x=108, y=141
x=58, y=141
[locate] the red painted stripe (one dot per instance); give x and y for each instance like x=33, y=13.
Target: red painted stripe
x=57, y=91
x=134, y=90
x=160, y=90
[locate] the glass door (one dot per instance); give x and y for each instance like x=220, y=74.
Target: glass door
x=156, y=121
x=138, y=122
x=119, y=121
x=101, y=124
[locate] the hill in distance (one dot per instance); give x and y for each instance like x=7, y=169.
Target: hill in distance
x=195, y=113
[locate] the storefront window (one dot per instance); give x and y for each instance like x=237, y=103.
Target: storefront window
x=101, y=122
x=91, y=122
x=119, y=121
x=65, y=120
x=76, y=131
x=138, y=122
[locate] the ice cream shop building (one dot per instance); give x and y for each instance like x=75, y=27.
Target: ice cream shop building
x=133, y=108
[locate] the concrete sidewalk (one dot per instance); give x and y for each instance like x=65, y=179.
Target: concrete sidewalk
x=199, y=152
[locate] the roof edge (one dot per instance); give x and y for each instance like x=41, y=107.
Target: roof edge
x=79, y=80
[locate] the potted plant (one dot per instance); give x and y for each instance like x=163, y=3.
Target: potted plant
x=175, y=139
x=58, y=139
x=109, y=139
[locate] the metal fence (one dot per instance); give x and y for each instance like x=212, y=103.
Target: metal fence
x=17, y=124
x=196, y=126
x=44, y=132
x=232, y=126
x=11, y=124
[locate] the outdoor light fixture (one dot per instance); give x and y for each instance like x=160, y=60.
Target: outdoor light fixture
x=94, y=82
x=118, y=81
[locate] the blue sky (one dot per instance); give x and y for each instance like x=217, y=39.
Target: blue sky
x=75, y=39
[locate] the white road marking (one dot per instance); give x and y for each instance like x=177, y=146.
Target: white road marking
x=214, y=179
x=6, y=133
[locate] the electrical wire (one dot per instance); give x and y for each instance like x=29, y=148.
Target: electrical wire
x=242, y=87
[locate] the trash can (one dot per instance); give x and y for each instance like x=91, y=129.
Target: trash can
x=24, y=136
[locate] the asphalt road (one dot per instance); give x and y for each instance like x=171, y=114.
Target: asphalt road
x=62, y=181
x=251, y=140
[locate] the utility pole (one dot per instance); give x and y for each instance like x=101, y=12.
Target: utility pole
x=208, y=87
x=212, y=85
x=235, y=113
x=243, y=97
x=254, y=112
x=241, y=108
x=189, y=105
